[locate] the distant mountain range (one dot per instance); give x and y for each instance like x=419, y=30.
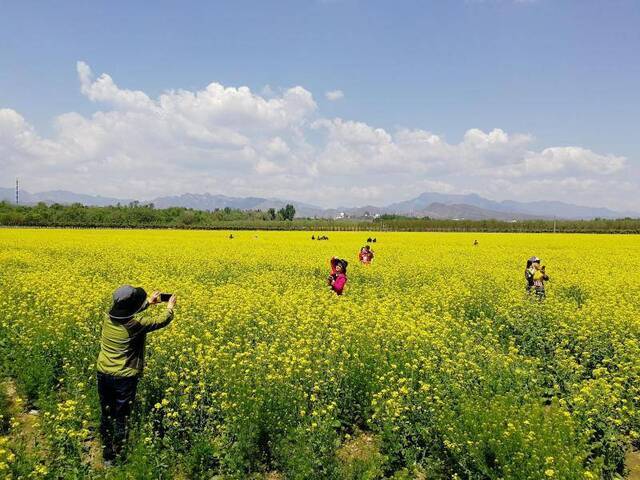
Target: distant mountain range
x=434, y=205
x=537, y=209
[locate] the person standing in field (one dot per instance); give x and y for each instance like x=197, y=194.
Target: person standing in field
x=529, y=271
x=121, y=360
x=535, y=276
x=366, y=255
x=338, y=277
x=539, y=277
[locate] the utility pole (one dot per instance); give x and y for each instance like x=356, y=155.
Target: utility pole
x=17, y=192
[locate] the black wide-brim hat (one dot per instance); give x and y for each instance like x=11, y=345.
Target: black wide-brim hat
x=127, y=301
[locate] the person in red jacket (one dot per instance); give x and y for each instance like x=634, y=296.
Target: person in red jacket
x=338, y=278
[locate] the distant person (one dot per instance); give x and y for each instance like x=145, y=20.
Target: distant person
x=338, y=277
x=231, y=236
x=475, y=243
x=121, y=360
x=366, y=255
x=528, y=273
x=535, y=274
x=369, y=240
x=313, y=237
x=374, y=240
x=539, y=277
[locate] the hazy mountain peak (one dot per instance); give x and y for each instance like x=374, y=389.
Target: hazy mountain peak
x=432, y=204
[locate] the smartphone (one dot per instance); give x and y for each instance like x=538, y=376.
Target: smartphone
x=164, y=297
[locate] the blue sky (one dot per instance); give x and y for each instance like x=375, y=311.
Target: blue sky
x=565, y=73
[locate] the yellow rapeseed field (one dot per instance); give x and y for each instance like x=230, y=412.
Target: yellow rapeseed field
x=433, y=364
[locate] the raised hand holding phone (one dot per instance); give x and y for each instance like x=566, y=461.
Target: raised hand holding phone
x=158, y=297
x=172, y=301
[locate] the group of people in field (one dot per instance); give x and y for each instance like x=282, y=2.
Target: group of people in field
x=535, y=273
x=338, y=276
x=133, y=314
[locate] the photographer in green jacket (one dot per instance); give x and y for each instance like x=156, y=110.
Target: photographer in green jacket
x=121, y=359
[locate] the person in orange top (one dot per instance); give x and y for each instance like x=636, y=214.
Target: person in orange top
x=365, y=255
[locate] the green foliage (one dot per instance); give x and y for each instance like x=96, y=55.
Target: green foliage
x=575, y=293
x=145, y=461
x=360, y=458
x=5, y=413
x=309, y=451
x=505, y=438
x=597, y=225
x=40, y=368
x=136, y=215
x=202, y=458
x=131, y=216
x=287, y=213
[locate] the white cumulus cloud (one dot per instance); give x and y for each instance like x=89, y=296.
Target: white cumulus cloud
x=232, y=140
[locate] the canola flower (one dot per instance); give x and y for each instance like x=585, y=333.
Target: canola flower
x=434, y=351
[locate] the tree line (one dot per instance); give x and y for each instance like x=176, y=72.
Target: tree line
x=136, y=215
x=132, y=215
x=596, y=225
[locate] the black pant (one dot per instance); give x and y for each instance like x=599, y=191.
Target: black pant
x=116, y=401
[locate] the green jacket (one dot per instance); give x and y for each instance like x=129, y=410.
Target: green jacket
x=122, y=342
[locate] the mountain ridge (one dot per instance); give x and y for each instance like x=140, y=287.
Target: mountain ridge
x=436, y=205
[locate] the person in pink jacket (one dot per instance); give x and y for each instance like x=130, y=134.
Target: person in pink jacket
x=338, y=278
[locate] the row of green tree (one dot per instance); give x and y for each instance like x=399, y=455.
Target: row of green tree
x=132, y=215
x=597, y=225
x=137, y=215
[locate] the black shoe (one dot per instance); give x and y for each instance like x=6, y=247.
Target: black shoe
x=108, y=455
